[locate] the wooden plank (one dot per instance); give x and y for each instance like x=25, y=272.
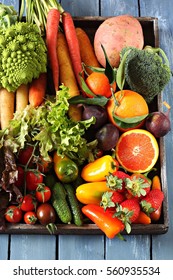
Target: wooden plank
x=114, y=8
x=81, y=247
x=4, y=241
x=134, y=248
x=162, y=244
x=81, y=8
x=33, y=247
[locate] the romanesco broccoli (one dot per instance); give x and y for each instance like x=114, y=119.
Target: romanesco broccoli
x=23, y=55
x=146, y=71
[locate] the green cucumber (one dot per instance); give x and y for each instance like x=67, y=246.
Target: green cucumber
x=60, y=203
x=74, y=205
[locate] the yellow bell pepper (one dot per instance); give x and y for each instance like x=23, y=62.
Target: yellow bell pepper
x=91, y=192
x=100, y=168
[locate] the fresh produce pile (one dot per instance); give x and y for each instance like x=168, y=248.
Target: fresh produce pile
x=78, y=140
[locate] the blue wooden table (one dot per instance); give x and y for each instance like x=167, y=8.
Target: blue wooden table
x=137, y=247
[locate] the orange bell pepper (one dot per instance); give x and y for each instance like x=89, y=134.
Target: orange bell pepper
x=100, y=168
x=91, y=192
x=143, y=218
x=111, y=226
x=156, y=184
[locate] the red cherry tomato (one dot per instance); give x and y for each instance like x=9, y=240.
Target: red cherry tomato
x=43, y=193
x=30, y=218
x=98, y=153
x=13, y=214
x=28, y=203
x=25, y=155
x=44, y=165
x=21, y=175
x=33, y=178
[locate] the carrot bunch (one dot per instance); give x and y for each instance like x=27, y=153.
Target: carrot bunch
x=64, y=55
x=67, y=48
x=52, y=26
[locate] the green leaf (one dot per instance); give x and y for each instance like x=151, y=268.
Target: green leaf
x=98, y=100
x=130, y=122
x=128, y=227
x=120, y=77
x=110, y=72
x=94, y=69
x=86, y=88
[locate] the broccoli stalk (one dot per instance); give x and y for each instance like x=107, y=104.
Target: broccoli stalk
x=145, y=71
x=23, y=55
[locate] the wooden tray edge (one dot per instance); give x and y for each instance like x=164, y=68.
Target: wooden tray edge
x=87, y=229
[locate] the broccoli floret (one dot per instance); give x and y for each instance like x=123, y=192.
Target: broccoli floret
x=146, y=71
x=23, y=55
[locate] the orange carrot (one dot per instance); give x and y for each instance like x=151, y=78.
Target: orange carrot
x=66, y=74
x=73, y=44
x=87, y=53
x=156, y=184
x=52, y=26
x=7, y=100
x=143, y=218
x=37, y=90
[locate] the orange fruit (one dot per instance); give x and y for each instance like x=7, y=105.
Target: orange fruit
x=127, y=104
x=99, y=84
x=137, y=150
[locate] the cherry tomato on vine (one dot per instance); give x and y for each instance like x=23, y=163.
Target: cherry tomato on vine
x=33, y=178
x=44, y=165
x=28, y=203
x=43, y=193
x=25, y=155
x=30, y=218
x=46, y=214
x=13, y=214
x=21, y=174
x=98, y=153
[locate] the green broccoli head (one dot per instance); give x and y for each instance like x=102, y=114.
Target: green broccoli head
x=145, y=72
x=23, y=55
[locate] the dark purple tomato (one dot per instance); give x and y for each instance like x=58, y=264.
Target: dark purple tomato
x=46, y=214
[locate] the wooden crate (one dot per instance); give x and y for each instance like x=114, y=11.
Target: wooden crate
x=150, y=30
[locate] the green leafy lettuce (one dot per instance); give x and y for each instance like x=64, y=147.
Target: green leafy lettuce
x=50, y=128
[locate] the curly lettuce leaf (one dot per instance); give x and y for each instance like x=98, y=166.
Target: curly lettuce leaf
x=50, y=127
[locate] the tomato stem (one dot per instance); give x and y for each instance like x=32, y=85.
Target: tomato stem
x=51, y=228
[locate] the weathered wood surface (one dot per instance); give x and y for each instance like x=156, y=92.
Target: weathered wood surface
x=98, y=247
